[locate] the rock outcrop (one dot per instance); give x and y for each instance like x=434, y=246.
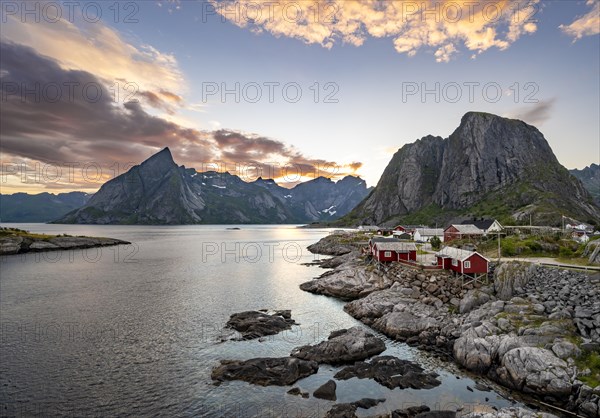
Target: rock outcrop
x=24, y=244
x=348, y=410
x=281, y=371
x=347, y=282
x=256, y=324
x=537, y=370
x=343, y=346
x=391, y=372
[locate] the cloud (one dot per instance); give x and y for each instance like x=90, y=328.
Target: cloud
x=163, y=100
x=48, y=117
x=586, y=25
x=442, y=25
x=100, y=50
x=536, y=114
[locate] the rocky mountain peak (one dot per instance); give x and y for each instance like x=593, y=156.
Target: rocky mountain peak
x=159, y=192
x=489, y=164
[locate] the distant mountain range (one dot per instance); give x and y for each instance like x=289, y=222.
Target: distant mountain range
x=43, y=207
x=590, y=177
x=489, y=166
x=158, y=191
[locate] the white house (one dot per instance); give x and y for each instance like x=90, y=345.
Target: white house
x=425, y=234
x=486, y=225
x=370, y=228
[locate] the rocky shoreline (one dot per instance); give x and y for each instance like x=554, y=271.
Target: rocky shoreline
x=534, y=330
x=24, y=244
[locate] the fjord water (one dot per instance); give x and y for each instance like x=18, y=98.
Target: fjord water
x=136, y=330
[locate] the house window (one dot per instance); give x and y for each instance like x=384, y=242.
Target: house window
x=467, y=264
x=454, y=262
x=387, y=254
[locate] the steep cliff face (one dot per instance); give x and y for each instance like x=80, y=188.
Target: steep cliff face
x=408, y=182
x=160, y=192
x=590, y=177
x=488, y=166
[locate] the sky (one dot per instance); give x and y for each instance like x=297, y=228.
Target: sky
x=285, y=89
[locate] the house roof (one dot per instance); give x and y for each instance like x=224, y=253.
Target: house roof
x=457, y=253
x=398, y=246
x=481, y=223
x=467, y=229
x=430, y=232
x=384, y=239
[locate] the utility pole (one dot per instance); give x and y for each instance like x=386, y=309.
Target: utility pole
x=499, y=248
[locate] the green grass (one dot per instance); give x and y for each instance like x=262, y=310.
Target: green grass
x=589, y=360
x=16, y=232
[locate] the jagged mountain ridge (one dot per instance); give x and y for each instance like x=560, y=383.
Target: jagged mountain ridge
x=159, y=192
x=488, y=166
x=321, y=198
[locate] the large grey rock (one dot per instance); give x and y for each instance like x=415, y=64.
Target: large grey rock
x=402, y=325
x=10, y=245
x=511, y=278
x=348, y=281
x=536, y=370
x=343, y=346
x=473, y=299
x=379, y=303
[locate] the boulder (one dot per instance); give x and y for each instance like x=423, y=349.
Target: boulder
x=10, y=245
x=474, y=353
x=343, y=346
x=565, y=350
x=402, y=325
x=378, y=303
x=535, y=370
x=391, y=372
x=280, y=371
x=326, y=391
x=255, y=324
x=473, y=299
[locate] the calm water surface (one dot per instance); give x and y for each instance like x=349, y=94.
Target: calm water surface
x=136, y=330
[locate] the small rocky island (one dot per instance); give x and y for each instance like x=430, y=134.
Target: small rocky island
x=18, y=241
